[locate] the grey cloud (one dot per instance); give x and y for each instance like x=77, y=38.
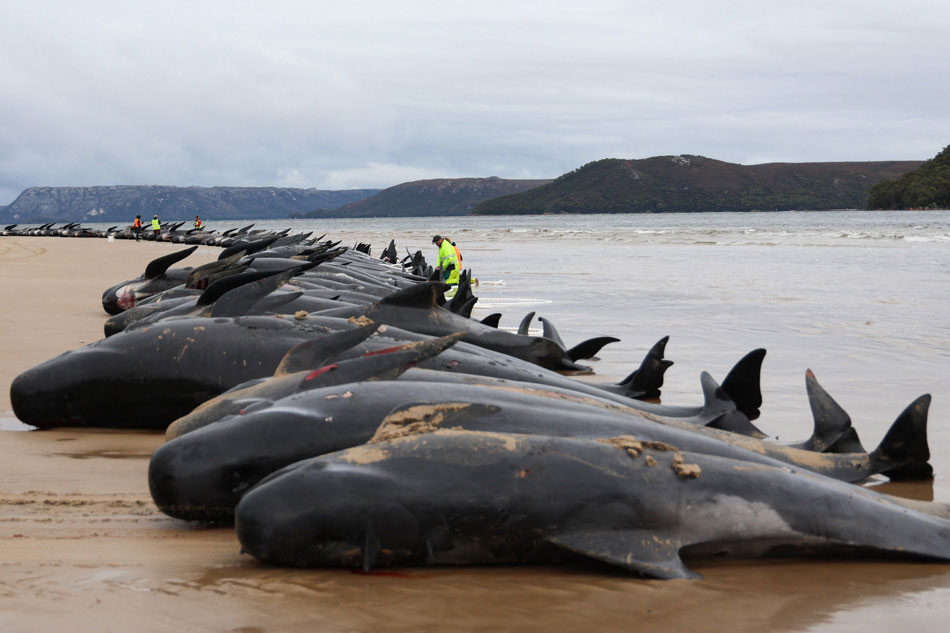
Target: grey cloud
x=372, y=94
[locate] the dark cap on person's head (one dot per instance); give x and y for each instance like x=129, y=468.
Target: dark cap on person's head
x=436, y=238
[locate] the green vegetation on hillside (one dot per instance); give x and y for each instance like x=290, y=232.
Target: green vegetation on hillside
x=927, y=187
x=695, y=183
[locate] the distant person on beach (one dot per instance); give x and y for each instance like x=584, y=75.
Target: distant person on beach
x=156, y=226
x=447, y=260
x=137, y=227
x=197, y=223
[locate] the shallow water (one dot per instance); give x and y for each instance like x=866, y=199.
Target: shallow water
x=861, y=298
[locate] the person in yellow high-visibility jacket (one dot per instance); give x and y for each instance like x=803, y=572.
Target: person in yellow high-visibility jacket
x=448, y=260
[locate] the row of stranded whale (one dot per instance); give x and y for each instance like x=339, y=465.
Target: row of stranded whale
x=341, y=411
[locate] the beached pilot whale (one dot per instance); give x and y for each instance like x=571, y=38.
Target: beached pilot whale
x=467, y=364
x=321, y=367
x=467, y=498
x=159, y=276
x=152, y=373
x=201, y=474
x=147, y=376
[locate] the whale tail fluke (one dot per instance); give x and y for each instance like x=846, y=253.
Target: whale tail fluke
x=721, y=412
x=644, y=382
x=590, y=347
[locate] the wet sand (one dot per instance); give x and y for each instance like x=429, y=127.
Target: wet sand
x=82, y=547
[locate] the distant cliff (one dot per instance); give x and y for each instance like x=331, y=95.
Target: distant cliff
x=442, y=197
x=695, y=183
x=927, y=187
x=121, y=203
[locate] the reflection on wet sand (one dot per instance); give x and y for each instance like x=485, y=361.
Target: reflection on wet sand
x=919, y=490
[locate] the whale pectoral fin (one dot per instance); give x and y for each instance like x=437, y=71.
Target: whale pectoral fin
x=382, y=365
x=239, y=301
x=642, y=551
x=321, y=350
x=371, y=548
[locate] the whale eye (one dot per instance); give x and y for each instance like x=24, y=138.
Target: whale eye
x=239, y=480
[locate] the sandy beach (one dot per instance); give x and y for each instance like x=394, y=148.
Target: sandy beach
x=83, y=548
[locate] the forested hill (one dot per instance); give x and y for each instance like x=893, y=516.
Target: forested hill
x=440, y=197
x=121, y=203
x=695, y=183
x=927, y=187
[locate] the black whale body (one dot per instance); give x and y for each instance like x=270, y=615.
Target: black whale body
x=201, y=474
x=469, y=498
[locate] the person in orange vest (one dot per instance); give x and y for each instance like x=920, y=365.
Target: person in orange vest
x=458, y=255
x=197, y=223
x=137, y=227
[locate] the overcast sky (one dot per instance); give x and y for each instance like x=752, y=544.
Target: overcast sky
x=369, y=94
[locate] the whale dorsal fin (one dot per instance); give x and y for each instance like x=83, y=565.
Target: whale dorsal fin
x=422, y=296
x=158, y=266
x=743, y=383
